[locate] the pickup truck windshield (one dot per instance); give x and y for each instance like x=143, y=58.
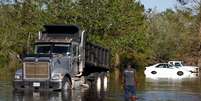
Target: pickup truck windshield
x=46, y=49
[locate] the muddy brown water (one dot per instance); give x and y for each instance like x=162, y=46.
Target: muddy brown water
x=110, y=89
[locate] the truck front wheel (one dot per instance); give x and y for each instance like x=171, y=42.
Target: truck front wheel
x=66, y=84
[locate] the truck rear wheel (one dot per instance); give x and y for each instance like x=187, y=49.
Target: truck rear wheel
x=67, y=84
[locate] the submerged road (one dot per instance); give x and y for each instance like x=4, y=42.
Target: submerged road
x=109, y=89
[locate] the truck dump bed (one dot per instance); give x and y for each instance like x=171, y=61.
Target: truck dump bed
x=97, y=58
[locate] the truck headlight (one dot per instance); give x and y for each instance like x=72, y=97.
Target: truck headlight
x=18, y=77
x=57, y=77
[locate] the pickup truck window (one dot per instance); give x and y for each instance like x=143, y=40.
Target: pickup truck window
x=170, y=66
x=177, y=64
x=171, y=63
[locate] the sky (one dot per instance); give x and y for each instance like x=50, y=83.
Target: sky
x=160, y=5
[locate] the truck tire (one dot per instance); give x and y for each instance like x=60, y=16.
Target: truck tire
x=66, y=84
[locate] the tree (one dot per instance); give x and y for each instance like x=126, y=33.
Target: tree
x=170, y=33
x=197, y=41
x=118, y=25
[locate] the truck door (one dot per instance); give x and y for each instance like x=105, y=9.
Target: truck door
x=75, y=49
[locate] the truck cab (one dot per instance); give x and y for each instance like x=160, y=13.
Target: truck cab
x=58, y=60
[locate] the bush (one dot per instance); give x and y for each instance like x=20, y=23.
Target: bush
x=3, y=61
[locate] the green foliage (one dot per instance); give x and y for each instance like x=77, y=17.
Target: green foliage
x=3, y=61
x=131, y=34
x=115, y=24
x=171, y=32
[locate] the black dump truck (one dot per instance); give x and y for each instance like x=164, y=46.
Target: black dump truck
x=61, y=60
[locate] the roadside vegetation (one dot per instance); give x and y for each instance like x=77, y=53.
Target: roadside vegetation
x=132, y=33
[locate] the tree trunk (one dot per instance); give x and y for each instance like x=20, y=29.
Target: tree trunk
x=199, y=50
x=199, y=39
x=117, y=60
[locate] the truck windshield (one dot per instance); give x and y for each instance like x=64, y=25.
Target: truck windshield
x=46, y=49
x=61, y=49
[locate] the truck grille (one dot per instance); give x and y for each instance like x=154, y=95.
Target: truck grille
x=36, y=70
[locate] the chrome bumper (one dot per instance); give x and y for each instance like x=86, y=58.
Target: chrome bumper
x=47, y=85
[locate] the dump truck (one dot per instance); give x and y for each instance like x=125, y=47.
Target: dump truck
x=61, y=60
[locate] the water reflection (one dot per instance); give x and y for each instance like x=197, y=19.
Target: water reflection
x=98, y=84
x=102, y=82
x=105, y=82
x=109, y=88
x=166, y=89
x=72, y=95
x=168, y=96
x=40, y=96
x=189, y=84
x=95, y=92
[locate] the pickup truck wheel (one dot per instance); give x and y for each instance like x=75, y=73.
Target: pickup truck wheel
x=66, y=84
x=180, y=73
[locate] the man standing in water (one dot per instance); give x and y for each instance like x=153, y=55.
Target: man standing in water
x=129, y=77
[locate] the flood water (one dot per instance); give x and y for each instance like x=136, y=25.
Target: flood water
x=109, y=88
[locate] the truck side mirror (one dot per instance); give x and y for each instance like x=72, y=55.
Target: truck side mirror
x=19, y=57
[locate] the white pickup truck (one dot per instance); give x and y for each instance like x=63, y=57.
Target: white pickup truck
x=178, y=64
